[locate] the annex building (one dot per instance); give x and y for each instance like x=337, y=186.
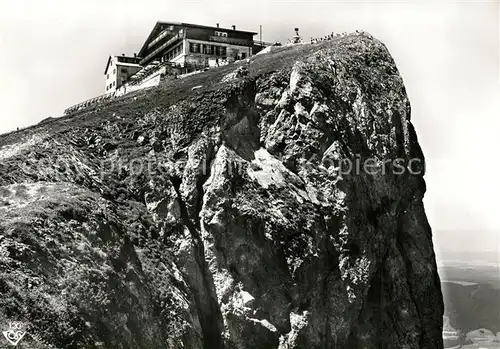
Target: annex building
x=119, y=70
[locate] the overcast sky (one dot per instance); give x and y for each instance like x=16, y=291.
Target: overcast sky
x=53, y=55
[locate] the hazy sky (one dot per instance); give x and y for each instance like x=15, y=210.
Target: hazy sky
x=53, y=55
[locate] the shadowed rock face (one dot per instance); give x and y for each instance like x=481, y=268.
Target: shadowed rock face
x=227, y=217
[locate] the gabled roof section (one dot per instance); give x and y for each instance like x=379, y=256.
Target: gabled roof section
x=158, y=27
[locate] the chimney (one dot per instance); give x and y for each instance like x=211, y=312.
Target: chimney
x=135, y=55
x=217, y=25
x=123, y=54
x=234, y=27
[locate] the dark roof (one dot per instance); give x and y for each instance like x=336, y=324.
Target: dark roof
x=160, y=23
x=138, y=59
x=107, y=65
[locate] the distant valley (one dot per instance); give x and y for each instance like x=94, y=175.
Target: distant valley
x=471, y=292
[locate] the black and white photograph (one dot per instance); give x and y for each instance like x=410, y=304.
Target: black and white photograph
x=236, y=174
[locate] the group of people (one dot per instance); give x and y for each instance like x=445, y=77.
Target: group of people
x=328, y=37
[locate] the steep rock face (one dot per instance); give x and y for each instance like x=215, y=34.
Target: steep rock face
x=279, y=208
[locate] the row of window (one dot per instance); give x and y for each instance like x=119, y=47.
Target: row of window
x=122, y=59
x=207, y=49
x=221, y=34
x=213, y=50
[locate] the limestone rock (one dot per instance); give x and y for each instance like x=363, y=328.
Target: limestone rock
x=241, y=215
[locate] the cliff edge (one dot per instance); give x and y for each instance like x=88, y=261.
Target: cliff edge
x=271, y=203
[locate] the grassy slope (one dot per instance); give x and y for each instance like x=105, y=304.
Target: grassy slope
x=170, y=92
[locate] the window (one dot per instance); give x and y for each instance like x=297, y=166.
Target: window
x=175, y=52
x=222, y=34
x=107, y=76
x=124, y=70
x=114, y=71
x=220, y=50
x=208, y=49
x=193, y=47
x=243, y=55
x=114, y=83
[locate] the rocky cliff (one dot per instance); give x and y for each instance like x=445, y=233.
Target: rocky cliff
x=229, y=209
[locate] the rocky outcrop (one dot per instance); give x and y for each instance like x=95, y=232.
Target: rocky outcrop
x=277, y=206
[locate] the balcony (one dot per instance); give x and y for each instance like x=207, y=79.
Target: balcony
x=162, y=35
x=231, y=41
x=172, y=40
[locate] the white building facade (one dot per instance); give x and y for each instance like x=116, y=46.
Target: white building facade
x=118, y=71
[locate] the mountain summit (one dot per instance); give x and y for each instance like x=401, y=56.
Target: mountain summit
x=229, y=209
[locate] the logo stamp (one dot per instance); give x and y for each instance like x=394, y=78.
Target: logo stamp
x=15, y=333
